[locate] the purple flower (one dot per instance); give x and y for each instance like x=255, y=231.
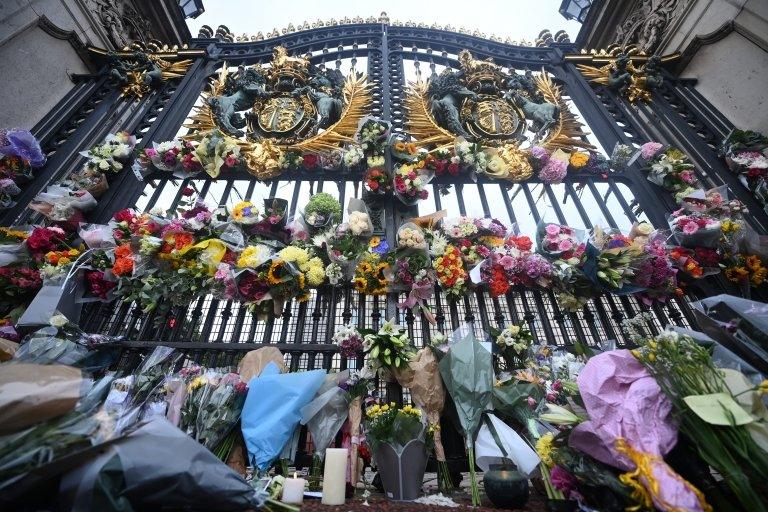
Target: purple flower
x=23, y=144
x=539, y=153
x=553, y=171
x=562, y=480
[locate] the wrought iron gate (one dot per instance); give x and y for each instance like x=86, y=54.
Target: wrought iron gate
x=217, y=333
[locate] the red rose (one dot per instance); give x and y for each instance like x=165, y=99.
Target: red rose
x=310, y=161
x=124, y=215
x=187, y=191
x=453, y=169
x=373, y=185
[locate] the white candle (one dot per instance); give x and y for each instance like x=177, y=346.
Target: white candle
x=335, y=476
x=293, y=490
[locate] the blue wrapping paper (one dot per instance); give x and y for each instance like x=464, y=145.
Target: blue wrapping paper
x=272, y=411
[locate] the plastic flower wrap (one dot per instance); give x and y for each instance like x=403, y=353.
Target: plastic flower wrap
x=372, y=133
x=623, y=156
x=671, y=170
x=217, y=152
x=631, y=427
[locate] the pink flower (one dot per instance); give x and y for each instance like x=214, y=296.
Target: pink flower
x=649, y=150
x=150, y=152
x=565, y=245
x=687, y=176
x=690, y=228
x=553, y=171
x=562, y=480
x=507, y=261
x=231, y=161
x=552, y=229
x=531, y=402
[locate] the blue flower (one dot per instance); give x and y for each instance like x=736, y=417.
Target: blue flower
x=382, y=248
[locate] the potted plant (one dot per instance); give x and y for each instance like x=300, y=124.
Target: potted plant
x=397, y=437
x=322, y=210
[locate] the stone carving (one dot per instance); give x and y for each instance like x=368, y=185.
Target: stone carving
x=645, y=27
x=240, y=91
x=121, y=21
x=139, y=68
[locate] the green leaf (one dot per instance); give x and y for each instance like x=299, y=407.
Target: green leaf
x=375, y=352
x=718, y=409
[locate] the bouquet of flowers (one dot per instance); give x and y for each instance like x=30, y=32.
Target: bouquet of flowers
x=744, y=150
x=165, y=156
x=655, y=272
x=558, y=241
x=410, y=183
x=610, y=261
x=513, y=263
x=746, y=270
x=370, y=275
x=695, y=229
x=377, y=181
x=345, y=249
x=18, y=284
x=20, y=152
x=388, y=348
x=696, y=263
x=623, y=156
x=245, y=212
x=449, y=268
x=703, y=398
x=669, y=169
x=112, y=154
x=217, y=152
x=322, y=210
x=554, y=167
x=349, y=341
x=405, y=151
x=514, y=343
x=219, y=409
x=389, y=424
x=372, y=133
x=352, y=156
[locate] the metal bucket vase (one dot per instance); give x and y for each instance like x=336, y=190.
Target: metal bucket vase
x=402, y=475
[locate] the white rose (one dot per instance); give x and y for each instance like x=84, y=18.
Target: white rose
x=103, y=165
x=58, y=321
x=117, y=166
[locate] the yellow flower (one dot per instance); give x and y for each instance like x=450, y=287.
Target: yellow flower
x=253, y=256
x=315, y=276
x=293, y=254
x=239, y=210
x=544, y=448
x=272, y=276
x=753, y=262
x=762, y=388
x=374, y=241
x=578, y=160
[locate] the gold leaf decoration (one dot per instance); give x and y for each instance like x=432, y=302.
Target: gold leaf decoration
x=421, y=124
x=567, y=133
x=357, y=99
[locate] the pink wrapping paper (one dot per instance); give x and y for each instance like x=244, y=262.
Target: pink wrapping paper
x=625, y=402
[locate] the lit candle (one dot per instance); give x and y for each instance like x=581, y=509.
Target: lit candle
x=335, y=476
x=293, y=490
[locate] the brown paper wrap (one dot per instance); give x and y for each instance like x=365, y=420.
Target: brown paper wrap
x=237, y=459
x=422, y=377
x=31, y=393
x=355, y=417
x=255, y=361
x=7, y=349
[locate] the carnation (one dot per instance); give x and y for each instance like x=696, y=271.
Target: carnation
x=553, y=171
x=649, y=150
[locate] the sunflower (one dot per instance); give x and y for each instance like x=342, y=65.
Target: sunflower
x=360, y=284
x=274, y=268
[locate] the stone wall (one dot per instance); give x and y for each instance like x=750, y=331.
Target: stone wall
x=723, y=45
x=44, y=42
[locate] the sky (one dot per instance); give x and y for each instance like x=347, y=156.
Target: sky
x=517, y=19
